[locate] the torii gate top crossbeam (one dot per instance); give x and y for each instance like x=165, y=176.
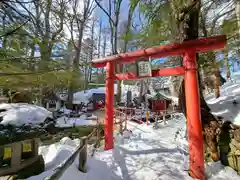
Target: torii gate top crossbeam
x=174, y=49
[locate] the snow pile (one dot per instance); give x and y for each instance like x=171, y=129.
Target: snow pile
x=70, y=122
x=55, y=154
x=142, y=153
x=65, y=111
x=219, y=172
x=21, y=113
x=223, y=106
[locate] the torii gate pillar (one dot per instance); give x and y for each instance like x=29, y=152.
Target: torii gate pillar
x=109, y=106
x=194, y=125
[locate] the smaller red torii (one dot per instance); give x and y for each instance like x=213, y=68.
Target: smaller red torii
x=188, y=50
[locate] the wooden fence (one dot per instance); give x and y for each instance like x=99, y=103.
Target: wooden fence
x=81, y=150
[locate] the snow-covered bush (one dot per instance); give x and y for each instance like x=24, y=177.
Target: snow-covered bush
x=18, y=114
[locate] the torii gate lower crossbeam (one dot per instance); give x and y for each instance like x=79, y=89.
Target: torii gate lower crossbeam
x=188, y=50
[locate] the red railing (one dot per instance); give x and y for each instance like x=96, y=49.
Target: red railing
x=138, y=115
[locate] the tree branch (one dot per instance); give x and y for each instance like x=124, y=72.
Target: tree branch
x=14, y=30
x=104, y=10
x=61, y=22
x=71, y=32
x=35, y=21
x=217, y=18
x=29, y=73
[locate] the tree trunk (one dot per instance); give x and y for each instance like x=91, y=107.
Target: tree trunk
x=86, y=75
x=212, y=58
x=141, y=90
x=89, y=70
x=237, y=9
x=216, y=72
x=119, y=83
x=227, y=66
x=209, y=123
x=99, y=46
x=217, y=82
x=75, y=68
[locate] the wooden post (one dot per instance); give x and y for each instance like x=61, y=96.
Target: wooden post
x=16, y=154
x=125, y=128
x=83, y=155
x=164, y=118
x=141, y=113
x=36, y=146
x=98, y=138
x=121, y=125
x=146, y=114
x=47, y=105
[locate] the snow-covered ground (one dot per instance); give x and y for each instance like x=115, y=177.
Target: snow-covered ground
x=64, y=121
x=147, y=153
x=223, y=106
x=22, y=113
x=83, y=119
x=144, y=154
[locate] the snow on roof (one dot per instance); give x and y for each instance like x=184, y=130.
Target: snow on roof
x=81, y=96
x=160, y=96
x=84, y=96
x=22, y=113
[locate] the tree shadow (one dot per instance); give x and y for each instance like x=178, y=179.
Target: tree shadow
x=96, y=169
x=224, y=107
x=120, y=160
x=148, y=151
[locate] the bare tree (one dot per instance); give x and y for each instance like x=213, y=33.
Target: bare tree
x=209, y=29
x=47, y=23
x=99, y=45
x=77, y=23
x=92, y=52
x=44, y=29
x=237, y=10
x=113, y=14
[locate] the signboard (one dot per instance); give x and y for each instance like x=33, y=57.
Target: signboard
x=27, y=146
x=7, y=153
x=144, y=68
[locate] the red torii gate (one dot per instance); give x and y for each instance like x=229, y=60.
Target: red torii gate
x=188, y=50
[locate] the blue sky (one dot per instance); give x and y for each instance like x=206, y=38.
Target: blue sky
x=123, y=17
x=159, y=61
x=123, y=14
